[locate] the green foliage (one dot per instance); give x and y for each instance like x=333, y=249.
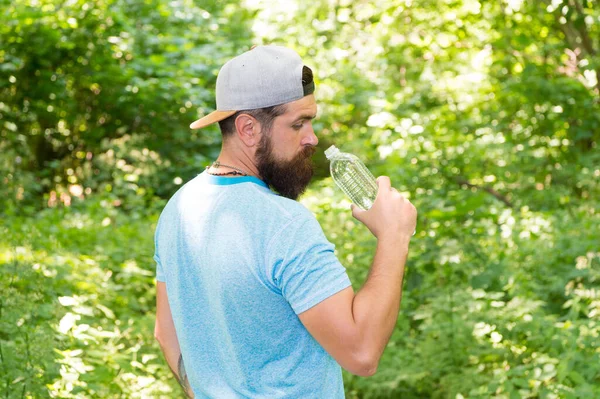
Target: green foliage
x=78, y=305
x=83, y=83
x=485, y=114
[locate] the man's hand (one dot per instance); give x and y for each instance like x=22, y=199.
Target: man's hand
x=391, y=217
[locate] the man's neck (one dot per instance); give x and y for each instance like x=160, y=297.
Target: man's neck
x=238, y=159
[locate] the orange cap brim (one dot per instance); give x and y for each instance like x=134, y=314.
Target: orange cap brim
x=215, y=116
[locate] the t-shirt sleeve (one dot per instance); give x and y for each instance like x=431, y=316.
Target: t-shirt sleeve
x=159, y=270
x=302, y=266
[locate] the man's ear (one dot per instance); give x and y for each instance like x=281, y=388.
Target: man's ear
x=248, y=129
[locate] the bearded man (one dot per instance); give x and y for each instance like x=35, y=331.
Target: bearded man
x=251, y=299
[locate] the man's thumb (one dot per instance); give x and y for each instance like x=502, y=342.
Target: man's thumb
x=355, y=211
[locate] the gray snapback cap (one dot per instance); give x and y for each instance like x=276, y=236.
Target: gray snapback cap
x=264, y=76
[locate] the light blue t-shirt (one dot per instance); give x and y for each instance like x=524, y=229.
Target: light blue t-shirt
x=240, y=263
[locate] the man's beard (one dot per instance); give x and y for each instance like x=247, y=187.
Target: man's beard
x=288, y=178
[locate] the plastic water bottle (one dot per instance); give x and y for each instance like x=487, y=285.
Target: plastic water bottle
x=353, y=177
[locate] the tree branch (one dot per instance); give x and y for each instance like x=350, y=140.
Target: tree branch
x=572, y=33
x=588, y=45
x=496, y=194
x=583, y=33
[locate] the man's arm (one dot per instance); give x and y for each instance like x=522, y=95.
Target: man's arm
x=355, y=329
x=164, y=332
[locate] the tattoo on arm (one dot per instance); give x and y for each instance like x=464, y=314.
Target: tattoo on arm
x=183, y=379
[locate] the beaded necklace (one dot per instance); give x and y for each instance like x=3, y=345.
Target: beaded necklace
x=234, y=172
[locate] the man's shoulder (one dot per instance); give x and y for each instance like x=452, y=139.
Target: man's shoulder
x=251, y=198
x=286, y=208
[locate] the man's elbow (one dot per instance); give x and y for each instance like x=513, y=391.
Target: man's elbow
x=364, y=366
x=368, y=369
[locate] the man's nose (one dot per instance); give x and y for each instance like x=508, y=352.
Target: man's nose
x=311, y=138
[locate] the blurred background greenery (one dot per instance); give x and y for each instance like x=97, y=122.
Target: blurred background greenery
x=486, y=114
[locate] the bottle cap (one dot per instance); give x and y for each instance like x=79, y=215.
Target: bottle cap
x=331, y=152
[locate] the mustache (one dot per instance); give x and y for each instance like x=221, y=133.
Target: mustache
x=308, y=152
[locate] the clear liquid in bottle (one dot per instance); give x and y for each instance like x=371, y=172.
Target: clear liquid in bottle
x=353, y=177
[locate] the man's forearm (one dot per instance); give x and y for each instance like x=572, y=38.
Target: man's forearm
x=375, y=307
x=183, y=379
x=177, y=368
x=166, y=335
